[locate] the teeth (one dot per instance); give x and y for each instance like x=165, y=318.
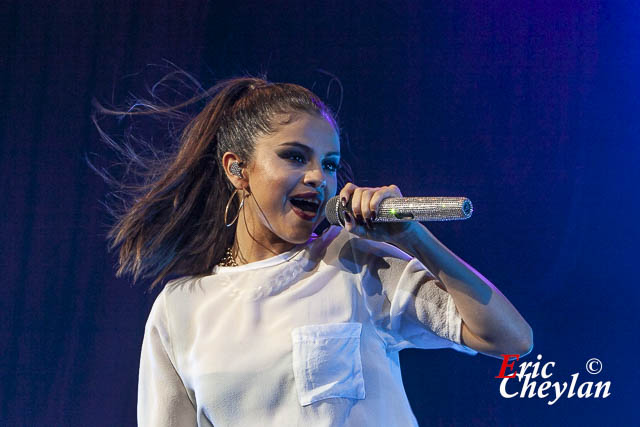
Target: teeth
x=315, y=202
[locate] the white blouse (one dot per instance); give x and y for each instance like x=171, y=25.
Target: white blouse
x=309, y=337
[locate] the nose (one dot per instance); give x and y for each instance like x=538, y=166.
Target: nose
x=315, y=177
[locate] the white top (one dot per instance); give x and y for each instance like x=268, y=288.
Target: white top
x=309, y=337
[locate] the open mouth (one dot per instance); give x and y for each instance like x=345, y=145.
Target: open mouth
x=307, y=208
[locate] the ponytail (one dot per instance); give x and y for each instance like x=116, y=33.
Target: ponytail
x=172, y=223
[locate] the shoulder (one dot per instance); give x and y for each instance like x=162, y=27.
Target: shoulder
x=188, y=289
x=180, y=297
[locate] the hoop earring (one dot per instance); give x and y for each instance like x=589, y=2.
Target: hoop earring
x=226, y=209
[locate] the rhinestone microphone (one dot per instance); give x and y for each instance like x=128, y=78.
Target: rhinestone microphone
x=396, y=209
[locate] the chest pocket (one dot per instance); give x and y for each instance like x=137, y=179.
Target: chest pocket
x=326, y=362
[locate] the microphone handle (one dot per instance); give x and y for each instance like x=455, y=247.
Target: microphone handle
x=398, y=209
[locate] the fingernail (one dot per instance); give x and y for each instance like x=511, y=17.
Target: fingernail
x=344, y=202
x=347, y=217
x=373, y=216
x=360, y=220
x=369, y=224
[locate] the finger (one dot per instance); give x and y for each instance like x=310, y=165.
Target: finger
x=365, y=202
x=349, y=222
x=383, y=193
x=369, y=215
x=346, y=192
x=356, y=208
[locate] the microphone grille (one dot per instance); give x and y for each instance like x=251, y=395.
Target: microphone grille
x=333, y=210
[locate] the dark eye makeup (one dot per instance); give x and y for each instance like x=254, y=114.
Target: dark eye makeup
x=299, y=157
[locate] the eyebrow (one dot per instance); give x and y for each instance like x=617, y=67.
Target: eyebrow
x=307, y=148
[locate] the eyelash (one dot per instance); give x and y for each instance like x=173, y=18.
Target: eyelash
x=293, y=156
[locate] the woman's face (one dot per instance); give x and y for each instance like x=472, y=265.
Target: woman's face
x=291, y=177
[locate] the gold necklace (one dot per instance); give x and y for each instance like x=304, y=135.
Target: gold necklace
x=227, y=260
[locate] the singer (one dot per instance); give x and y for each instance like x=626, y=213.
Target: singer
x=270, y=324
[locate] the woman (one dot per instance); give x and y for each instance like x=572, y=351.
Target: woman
x=272, y=324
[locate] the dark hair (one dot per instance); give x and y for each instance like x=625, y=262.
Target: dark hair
x=172, y=223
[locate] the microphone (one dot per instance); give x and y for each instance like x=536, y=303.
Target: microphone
x=397, y=209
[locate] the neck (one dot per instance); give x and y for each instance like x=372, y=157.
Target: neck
x=252, y=244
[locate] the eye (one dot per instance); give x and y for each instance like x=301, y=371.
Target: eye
x=331, y=166
x=293, y=156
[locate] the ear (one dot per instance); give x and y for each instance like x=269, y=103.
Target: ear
x=239, y=182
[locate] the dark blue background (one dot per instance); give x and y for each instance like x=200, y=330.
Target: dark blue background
x=528, y=108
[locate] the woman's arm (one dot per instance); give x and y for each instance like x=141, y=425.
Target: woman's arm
x=162, y=398
x=490, y=323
